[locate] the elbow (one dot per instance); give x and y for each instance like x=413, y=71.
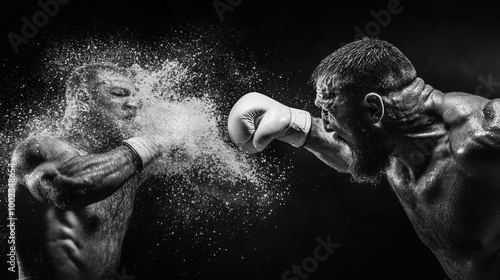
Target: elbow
x=69, y=201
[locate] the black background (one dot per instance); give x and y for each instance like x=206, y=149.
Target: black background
x=451, y=44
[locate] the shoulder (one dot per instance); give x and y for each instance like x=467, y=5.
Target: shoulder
x=486, y=132
x=459, y=108
x=462, y=116
x=484, y=127
x=35, y=150
x=491, y=115
x=477, y=143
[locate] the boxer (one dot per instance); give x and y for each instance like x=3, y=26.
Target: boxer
x=377, y=114
x=75, y=192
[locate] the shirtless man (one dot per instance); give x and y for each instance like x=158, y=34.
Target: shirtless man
x=439, y=151
x=76, y=192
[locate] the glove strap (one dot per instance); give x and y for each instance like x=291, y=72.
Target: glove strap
x=299, y=128
x=142, y=155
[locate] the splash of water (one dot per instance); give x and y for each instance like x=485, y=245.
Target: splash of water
x=202, y=177
x=187, y=128
x=205, y=191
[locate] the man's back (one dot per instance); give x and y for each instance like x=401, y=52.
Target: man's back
x=451, y=201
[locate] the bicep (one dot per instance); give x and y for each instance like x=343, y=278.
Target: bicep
x=35, y=162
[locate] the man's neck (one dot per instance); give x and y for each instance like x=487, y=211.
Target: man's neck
x=93, y=138
x=415, y=147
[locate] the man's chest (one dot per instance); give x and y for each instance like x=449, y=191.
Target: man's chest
x=112, y=213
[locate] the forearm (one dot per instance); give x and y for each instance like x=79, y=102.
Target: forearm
x=327, y=149
x=83, y=180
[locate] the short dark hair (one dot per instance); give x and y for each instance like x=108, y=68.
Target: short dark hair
x=366, y=65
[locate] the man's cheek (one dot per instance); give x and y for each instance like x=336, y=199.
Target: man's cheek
x=114, y=108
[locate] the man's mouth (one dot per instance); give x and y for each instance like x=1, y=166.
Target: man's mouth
x=129, y=117
x=338, y=138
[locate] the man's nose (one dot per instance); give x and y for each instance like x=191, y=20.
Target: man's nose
x=327, y=126
x=132, y=104
x=326, y=121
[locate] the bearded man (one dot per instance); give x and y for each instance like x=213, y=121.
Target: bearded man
x=439, y=151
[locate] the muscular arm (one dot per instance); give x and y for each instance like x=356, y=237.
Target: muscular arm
x=474, y=135
x=57, y=174
x=483, y=149
x=327, y=149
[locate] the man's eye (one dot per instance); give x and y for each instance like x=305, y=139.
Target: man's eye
x=326, y=104
x=120, y=92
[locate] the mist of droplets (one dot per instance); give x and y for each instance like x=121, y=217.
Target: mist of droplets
x=202, y=184
x=187, y=130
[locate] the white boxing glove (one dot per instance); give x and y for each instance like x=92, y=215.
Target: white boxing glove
x=143, y=150
x=255, y=120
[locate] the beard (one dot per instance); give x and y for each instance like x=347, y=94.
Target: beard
x=370, y=156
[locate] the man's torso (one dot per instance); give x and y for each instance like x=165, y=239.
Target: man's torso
x=454, y=207
x=71, y=244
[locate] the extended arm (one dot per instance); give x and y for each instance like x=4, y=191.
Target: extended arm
x=66, y=179
x=332, y=152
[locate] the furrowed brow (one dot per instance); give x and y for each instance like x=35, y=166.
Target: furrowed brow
x=325, y=93
x=324, y=98
x=322, y=102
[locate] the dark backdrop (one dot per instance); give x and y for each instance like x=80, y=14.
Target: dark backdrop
x=451, y=43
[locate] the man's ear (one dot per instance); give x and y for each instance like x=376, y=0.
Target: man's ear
x=374, y=106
